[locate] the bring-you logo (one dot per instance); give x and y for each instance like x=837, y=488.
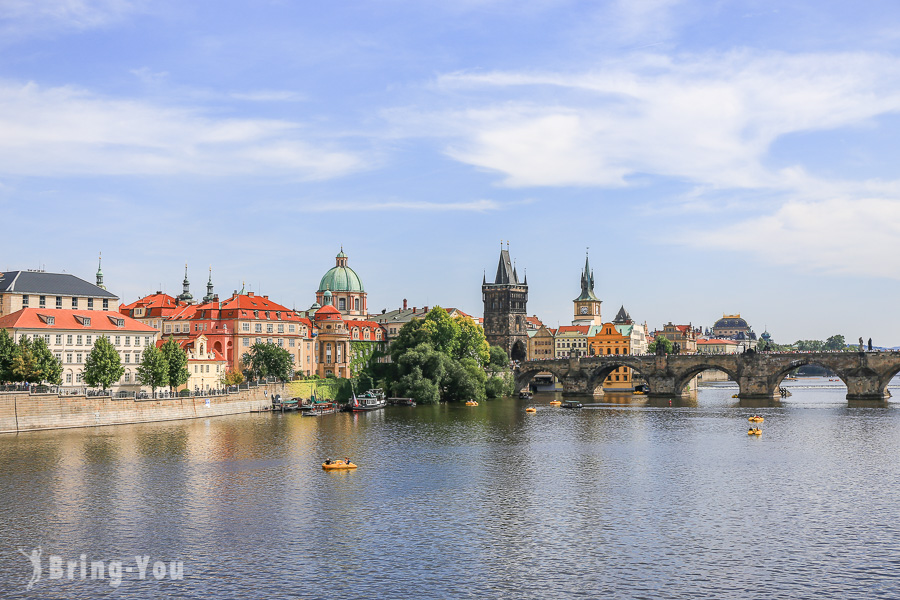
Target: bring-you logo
x=109, y=572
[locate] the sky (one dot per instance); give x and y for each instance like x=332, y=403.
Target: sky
x=711, y=156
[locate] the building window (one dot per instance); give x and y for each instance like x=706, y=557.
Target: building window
x=246, y=342
x=118, y=340
x=291, y=342
x=127, y=357
x=342, y=304
x=127, y=376
x=147, y=341
x=69, y=340
x=90, y=304
x=75, y=303
x=59, y=302
x=270, y=328
x=292, y=328
x=281, y=328
x=42, y=301
x=68, y=357
x=106, y=304
x=168, y=329
x=25, y=301
x=281, y=342
x=77, y=340
x=127, y=340
x=245, y=326
x=356, y=304
x=258, y=328
x=328, y=354
x=137, y=357
x=78, y=357
x=259, y=340
x=87, y=340
x=58, y=356
x=68, y=378
x=58, y=339
x=47, y=338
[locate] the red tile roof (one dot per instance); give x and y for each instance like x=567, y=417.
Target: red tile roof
x=582, y=329
x=31, y=318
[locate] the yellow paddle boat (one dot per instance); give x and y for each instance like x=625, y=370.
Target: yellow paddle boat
x=754, y=431
x=755, y=419
x=531, y=409
x=735, y=396
x=555, y=402
x=471, y=403
x=337, y=465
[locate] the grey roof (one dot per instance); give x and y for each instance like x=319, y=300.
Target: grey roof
x=506, y=273
x=587, y=283
x=49, y=284
x=622, y=316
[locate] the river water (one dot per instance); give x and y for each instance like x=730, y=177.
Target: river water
x=620, y=500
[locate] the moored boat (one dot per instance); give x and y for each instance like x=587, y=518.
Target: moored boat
x=572, y=404
x=320, y=408
x=525, y=395
x=370, y=400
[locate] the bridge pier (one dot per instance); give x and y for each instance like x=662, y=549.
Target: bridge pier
x=865, y=387
x=757, y=388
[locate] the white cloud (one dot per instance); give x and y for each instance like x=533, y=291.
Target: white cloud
x=479, y=206
x=20, y=18
x=843, y=236
x=69, y=131
x=269, y=96
x=709, y=119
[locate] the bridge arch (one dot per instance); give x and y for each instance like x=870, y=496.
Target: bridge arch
x=599, y=374
x=685, y=376
x=523, y=376
x=779, y=374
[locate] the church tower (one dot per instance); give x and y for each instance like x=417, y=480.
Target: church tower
x=587, y=305
x=210, y=295
x=100, y=273
x=185, y=295
x=504, y=308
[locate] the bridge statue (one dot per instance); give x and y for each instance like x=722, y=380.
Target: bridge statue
x=758, y=376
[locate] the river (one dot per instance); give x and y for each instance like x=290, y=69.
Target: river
x=618, y=500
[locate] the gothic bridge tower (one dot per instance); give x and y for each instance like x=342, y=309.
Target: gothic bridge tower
x=504, y=308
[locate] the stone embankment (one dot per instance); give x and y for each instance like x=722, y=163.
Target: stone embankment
x=21, y=411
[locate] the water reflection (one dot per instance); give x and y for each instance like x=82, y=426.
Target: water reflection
x=627, y=497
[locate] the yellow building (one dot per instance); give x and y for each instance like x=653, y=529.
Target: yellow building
x=541, y=344
x=621, y=336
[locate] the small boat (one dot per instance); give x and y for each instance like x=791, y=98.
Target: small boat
x=401, y=401
x=789, y=378
x=370, y=400
x=572, y=404
x=530, y=409
x=735, y=396
x=278, y=403
x=555, y=403
x=471, y=403
x=337, y=465
x=525, y=395
x=755, y=419
x=319, y=408
x=754, y=431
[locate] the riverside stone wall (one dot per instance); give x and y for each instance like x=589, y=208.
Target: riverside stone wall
x=31, y=412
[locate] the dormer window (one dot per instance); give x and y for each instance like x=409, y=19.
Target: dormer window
x=47, y=319
x=84, y=321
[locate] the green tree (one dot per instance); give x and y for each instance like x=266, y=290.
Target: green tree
x=809, y=345
x=835, y=343
x=668, y=348
x=268, y=360
x=33, y=362
x=176, y=359
x=499, y=359
x=499, y=386
x=7, y=352
x=153, y=370
x=233, y=377
x=472, y=343
x=103, y=365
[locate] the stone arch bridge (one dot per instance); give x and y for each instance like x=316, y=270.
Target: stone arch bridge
x=759, y=376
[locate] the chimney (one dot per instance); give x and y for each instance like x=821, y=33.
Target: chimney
x=404, y=304
x=425, y=309
x=414, y=310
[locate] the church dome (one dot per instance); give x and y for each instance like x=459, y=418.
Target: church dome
x=341, y=278
x=731, y=322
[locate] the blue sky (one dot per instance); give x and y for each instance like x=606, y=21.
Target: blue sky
x=717, y=156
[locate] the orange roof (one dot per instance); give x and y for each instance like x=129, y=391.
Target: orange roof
x=76, y=320
x=715, y=341
x=534, y=321
x=582, y=329
x=157, y=300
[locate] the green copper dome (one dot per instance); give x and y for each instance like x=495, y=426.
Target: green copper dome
x=341, y=278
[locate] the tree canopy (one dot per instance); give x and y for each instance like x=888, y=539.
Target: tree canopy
x=153, y=370
x=444, y=358
x=7, y=350
x=32, y=362
x=103, y=365
x=176, y=361
x=666, y=343
x=269, y=360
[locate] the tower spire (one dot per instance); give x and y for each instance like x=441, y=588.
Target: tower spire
x=100, y=272
x=186, y=288
x=210, y=296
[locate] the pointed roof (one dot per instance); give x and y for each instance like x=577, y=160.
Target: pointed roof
x=587, y=283
x=506, y=274
x=622, y=316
